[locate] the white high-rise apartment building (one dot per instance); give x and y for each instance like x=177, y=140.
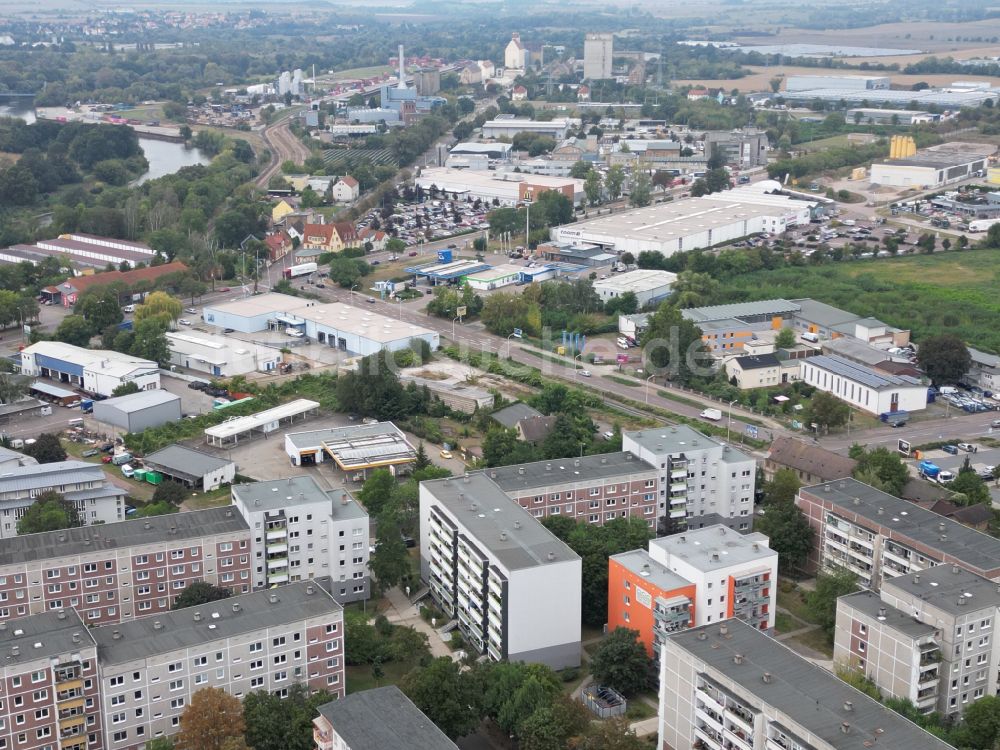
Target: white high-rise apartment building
x=598, y=51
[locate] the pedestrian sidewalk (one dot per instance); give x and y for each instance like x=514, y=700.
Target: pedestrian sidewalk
x=401, y=611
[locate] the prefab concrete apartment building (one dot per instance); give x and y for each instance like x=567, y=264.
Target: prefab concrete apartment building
x=878, y=536
x=120, y=571
x=117, y=687
x=513, y=587
x=701, y=480
x=728, y=686
x=96, y=499
x=301, y=531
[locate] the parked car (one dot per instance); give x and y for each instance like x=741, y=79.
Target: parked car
x=183, y=322
x=446, y=454
x=228, y=330
x=585, y=373
x=967, y=447
x=952, y=449
x=128, y=309
x=190, y=310
x=224, y=289
x=91, y=453
x=371, y=300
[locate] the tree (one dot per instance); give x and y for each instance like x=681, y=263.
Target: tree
x=390, y=563
x=673, y=345
x=620, y=661
x=944, y=358
x=421, y=461
x=827, y=410
x=274, y=723
x=377, y=491
x=157, y=509
x=170, y=492
x=49, y=512
x=782, y=488
x=13, y=387
x=693, y=289
x=592, y=187
x=75, y=330
x=785, y=338
x=580, y=170
x=886, y=466
x=501, y=447
x=347, y=271
x=212, y=720
x=789, y=533
x=614, y=181
x=125, y=389
x=159, y=306
x=198, y=593
x=148, y=340
x=613, y=734
x=100, y=308
x=970, y=485
x=980, y=727
x=47, y=449
x=822, y=601
x=446, y=695
x=640, y=194
x=160, y=743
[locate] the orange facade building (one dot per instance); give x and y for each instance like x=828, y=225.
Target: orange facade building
x=644, y=595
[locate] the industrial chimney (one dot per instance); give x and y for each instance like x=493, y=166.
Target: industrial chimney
x=402, y=70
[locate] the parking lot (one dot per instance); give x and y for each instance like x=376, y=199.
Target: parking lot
x=432, y=218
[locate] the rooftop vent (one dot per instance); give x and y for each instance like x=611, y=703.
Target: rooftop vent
x=548, y=467
x=61, y=614
x=147, y=525
x=723, y=629
x=173, y=529
x=955, y=569
x=845, y=728
x=737, y=658
x=916, y=578
x=116, y=634
x=941, y=527
x=157, y=625
x=881, y=510
x=197, y=616
x=551, y=556
x=16, y=650
x=229, y=513
x=236, y=607
x=848, y=706
x=520, y=470
x=715, y=557
x=766, y=677
x=273, y=598
x=503, y=536
x=517, y=524
x=857, y=500
x=493, y=475
x=310, y=589
x=756, y=547
x=77, y=638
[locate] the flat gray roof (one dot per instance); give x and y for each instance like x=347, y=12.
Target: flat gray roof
x=639, y=562
x=279, y=494
x=509, y=416
x=381, y=719
x=875, y=379
x=175, y=630
x=714, y=547
x=944, y=585
x=741, y=310
x=566, y=470
x=49, y=634
x=358, y=445
x=120, y=535
x=139, y=401
x=36, y=476
x=179, y=459
x=869, y=603
x=809, y=695
x=974, y=548
x=822, y=313
x=499, y=524
x=681, y=438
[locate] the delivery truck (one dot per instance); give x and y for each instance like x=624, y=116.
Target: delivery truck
x=712, y=415
x=302, y=269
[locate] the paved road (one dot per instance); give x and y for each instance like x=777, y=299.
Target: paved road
x=957, y=425
x=284, y=146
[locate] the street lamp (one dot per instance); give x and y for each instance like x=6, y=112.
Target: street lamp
x=575, y=358
x=399, y=307
x=729, y=422
x=352, y=293
x=453, y=321
x=647, y=386
x=516, y=333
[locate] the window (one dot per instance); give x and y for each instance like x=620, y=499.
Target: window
x=117, y=680
x=200, y=679
x=120, y=736
x=177, y=685
x=279, y=641
x=175, y=667
x=255, y=647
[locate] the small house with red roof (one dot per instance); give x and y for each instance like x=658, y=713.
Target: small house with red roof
x=345, y=190
x=278, y=245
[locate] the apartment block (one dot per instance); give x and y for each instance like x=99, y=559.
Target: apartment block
x=119, y=571
x=358, y=722
x=702, y=481
x=594, y=489
x=926, y=636
x=513, y=587
x=85, y=485
x=301, y=531
x=728, y=686
x=49, y=686
x=266, y=640
x=879, y=536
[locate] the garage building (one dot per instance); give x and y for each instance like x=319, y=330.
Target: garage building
x=356, y=449
x=220, y=356
x=97, y=371
x=234, y=430
x=201, y=471
x=647, y=285
x=139, y=411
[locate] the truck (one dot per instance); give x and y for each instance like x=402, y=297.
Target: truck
x=928, y=470
x=895, y=418
x=982, y=225
x=712, y=415
x=302, y=269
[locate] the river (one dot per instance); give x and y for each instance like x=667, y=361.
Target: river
x=164, y=157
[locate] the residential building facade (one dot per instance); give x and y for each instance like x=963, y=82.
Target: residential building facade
x=120, y=571
x=729, y=686
x=301, y=531
x=598, y=56
x=811, y=463
x=514, y=588
x=591, y=489
x=85, y=485
x=702, y=481
x=878, y=536
x=928, y=637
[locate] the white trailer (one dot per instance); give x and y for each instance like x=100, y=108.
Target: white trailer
x=982, y=225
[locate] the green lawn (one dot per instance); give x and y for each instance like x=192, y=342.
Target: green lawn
x=214, y=499
x=816, y=639
x=795, y=603
x=835, y=141
x=638, y=709
x=360, y=677
x=785, y=623
x=369, y=72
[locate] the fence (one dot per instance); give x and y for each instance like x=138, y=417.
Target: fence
x=604, y=701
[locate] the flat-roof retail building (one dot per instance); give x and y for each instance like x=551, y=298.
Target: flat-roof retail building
x=356, y=449
x=934, y=166
x=508, y=188
x=669, y=228
x=648, y=285
x=220, y=356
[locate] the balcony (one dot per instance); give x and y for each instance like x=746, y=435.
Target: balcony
x=708, y=737
x=927, y=677
x=73, y=703
x=277, y=549
x=323, y=740
x=742, y=718
x=930, y=657
x=74, y=722
x=679, y=500
x=678, y=512
x=277, y=578
x=737, y=739
x=276, y=534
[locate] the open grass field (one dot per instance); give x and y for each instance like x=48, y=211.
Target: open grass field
x=369, y=72
x=953, y=292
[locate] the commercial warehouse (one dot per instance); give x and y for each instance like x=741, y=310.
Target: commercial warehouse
x=356, y=449
x=511, y=125
x=338, y=325
x=674, y=227
x=195, y=469
x=97, y=371
x=508, y=188
x=841, y=83
x=647, y=285
x=139, y=411
x=952, y=99
x=935, y=166
x=862, y=387
x=494, y=278
x=220, y=356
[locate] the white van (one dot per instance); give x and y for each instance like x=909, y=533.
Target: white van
x=810, y=336
x=128, y=309
x=623, y=342
x=295, y=333
x=128, y=471
x=78, y=422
